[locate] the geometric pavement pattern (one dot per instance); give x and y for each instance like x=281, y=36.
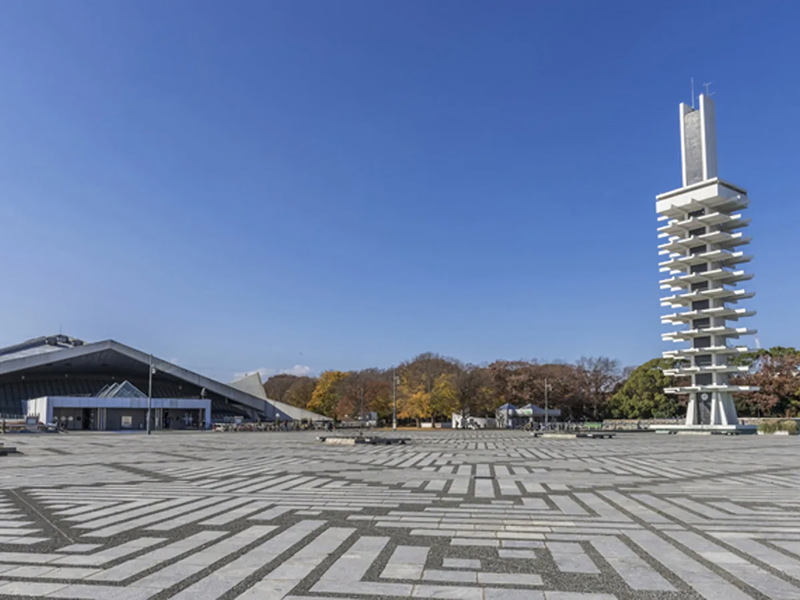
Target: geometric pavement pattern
x=475, y=515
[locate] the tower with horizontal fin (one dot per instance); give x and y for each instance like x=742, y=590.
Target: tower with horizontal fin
x=702, y=231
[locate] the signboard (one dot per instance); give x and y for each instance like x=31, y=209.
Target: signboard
x=127, y=422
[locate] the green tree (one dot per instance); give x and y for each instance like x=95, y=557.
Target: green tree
x=326, y=394
x=642, y=395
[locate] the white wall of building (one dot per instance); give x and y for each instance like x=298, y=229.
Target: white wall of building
x=43, y=407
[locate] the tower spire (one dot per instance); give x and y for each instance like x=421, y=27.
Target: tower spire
x=698, y=141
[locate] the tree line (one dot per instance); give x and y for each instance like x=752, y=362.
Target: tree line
x=432, y=387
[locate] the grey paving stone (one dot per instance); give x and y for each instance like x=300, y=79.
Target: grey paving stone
x=483, y=515
x=461, y=563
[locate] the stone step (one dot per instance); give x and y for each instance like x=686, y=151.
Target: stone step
x=595, y=435
x=5, y=450
x=353, y=440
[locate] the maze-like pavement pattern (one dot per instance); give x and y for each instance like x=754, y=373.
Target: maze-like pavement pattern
x=464, y=515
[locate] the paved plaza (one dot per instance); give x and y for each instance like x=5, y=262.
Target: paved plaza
x=469, y=515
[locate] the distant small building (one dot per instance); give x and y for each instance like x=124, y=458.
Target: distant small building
x=505, y=415
x=509, y=415
x=531, y=412
x=460, y=421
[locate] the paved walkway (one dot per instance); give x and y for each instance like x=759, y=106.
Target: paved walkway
x=466, y=515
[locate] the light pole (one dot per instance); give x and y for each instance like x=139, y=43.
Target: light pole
x=547, y=388
x=149, y=393
x=394, y=397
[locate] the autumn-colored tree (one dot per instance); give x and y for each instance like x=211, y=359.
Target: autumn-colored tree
x=364, y=391
x=432, y=386
x=325, y=398
x=299, y=394
x=277, y=386
x=523, y=382
x=472, y=386
x=514, y=381
x=565, y=391
x=379, y=393
x=424, y=369
x=777, y=373
x=414, y=405
x=443, y=397
x=418, y=379
x=597, y=378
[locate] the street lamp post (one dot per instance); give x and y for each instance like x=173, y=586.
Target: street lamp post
x=149, y=393
x=394, y=397
x=546, y=404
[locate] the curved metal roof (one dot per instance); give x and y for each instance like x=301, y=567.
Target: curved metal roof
x=55, y=353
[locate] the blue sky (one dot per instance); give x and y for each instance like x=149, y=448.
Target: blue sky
x=245, y=185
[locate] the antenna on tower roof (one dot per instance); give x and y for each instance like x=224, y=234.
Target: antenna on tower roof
x=692, y=80
x=707, y=85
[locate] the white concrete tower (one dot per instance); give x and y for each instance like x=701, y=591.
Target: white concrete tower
x=703, y=232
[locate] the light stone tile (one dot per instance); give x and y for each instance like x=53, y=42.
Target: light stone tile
x=638, y=575
x=22, y=541
x=289, y=574
x=454, y=576
x=461, y=563
x=751, y=574
x=640, y=488
x=705, y=582
x=511, y=594
x=509, y=579
x=238, y=513
x=521, y=544
x=577, y=596
x=455, y=593
x=28, y=588
x=406, y=562
x=79, y=548
x=32, y=571
x=152, y=559
x=243, y=566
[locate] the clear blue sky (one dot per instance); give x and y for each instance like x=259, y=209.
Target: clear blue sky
x=341, y=184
